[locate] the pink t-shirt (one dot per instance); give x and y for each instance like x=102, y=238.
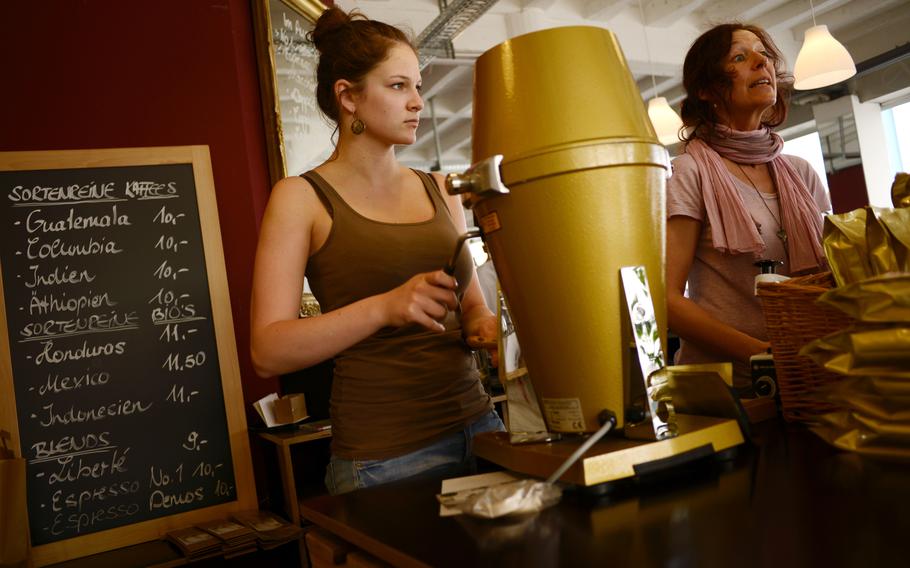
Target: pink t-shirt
x=723, y=284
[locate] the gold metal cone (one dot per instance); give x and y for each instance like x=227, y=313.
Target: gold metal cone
x=587, y=179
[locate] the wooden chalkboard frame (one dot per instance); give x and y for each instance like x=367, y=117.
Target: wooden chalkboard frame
x=223, y=324
x=269, y=81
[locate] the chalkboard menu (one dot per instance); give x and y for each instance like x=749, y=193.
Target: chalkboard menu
x=117, y=374
x=299, y=135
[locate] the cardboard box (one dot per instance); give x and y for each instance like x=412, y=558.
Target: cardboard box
x=289, y=409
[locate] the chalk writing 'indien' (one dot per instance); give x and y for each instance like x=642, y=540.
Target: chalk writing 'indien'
x=58, y=276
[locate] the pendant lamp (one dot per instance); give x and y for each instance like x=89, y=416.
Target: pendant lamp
x=822, y=61
x=666, y=122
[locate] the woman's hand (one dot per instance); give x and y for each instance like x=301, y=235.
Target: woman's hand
x=482, y=332
x=689, y=320
x=425, y=299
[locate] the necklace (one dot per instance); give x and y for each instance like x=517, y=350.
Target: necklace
x=781, y=233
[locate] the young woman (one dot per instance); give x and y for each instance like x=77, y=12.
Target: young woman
x=734, y=198
x=372, y=236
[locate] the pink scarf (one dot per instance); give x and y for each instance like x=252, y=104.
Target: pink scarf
x=732, y=228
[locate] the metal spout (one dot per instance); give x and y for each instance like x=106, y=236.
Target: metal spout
x=480, y=181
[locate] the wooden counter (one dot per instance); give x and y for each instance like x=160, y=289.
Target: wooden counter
x=787, y=500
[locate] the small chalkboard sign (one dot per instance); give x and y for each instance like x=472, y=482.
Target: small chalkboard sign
x=120, y=375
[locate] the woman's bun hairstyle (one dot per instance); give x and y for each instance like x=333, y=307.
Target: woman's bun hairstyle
x=349, y=45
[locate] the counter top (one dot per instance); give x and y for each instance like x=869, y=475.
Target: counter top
x=786, y=499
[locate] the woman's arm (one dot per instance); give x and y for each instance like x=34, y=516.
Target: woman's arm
x=280, y=342
x=686, y=318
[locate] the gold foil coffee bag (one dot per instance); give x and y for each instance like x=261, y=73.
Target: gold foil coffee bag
x=897, y=223
x=882, y=352
x=844, y=239
x=878, y=300
x=900, y=191
x=855, y=431
x=882, y=259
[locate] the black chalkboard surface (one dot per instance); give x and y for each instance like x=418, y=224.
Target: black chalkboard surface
x=122, y=410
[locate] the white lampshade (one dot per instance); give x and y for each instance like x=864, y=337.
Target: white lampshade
x=822, y=61
x=666, y=122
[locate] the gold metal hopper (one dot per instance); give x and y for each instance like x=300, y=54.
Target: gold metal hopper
x=568, y=187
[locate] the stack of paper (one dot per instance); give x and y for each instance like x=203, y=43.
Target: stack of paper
x=270, y=530
x=235, y=538
x=194, y=543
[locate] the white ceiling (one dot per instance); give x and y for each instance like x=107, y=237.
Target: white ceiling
x=866, y=27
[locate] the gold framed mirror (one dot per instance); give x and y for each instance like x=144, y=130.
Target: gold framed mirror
x=298, y=136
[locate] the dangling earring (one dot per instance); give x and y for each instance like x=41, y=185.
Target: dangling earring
x=357, y=126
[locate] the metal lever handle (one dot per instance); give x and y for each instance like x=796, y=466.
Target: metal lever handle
x=470, y=234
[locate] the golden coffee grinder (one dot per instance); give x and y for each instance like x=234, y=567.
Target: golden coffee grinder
x=568, y=187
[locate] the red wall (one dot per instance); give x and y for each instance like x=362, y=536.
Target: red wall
x=115, y=73
x=848, y=189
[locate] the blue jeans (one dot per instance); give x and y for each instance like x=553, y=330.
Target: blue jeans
x=449, y=457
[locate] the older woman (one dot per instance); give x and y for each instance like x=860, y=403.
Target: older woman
x=734, y=198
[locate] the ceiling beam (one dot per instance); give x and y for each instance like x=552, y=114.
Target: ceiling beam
x=792, y=14
x=664, y=13
x=664, y=84
x=453, y=75
x=739, y=10
x=540, y=4
x=603, y=10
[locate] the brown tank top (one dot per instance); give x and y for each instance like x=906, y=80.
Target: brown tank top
x=401, y=388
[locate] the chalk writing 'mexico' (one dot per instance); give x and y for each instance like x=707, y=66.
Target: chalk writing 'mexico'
x=74, y=415
x=37, y=194
x=36, y=223
x=59, y=247
x=56, y=383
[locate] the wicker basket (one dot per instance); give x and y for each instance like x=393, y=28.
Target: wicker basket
x=793, y=319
